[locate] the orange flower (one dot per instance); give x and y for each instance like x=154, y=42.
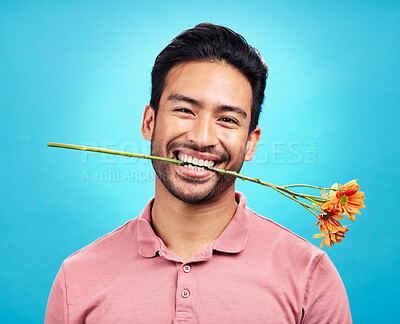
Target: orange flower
x=328, y=219
x=348, y=199
x=332, y=237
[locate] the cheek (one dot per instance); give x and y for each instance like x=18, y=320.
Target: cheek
x=167, y=129
x=234, y=143
x=180, y=125
x=235, y=139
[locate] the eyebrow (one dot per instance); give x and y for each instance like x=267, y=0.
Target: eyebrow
x=237, y=110
x=179, y=97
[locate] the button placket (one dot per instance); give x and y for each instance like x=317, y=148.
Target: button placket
x=184, y=293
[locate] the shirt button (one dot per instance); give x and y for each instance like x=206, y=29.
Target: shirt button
x=186, y=268
x=185, y=293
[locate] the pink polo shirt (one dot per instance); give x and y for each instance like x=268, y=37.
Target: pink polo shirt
x=256, y=271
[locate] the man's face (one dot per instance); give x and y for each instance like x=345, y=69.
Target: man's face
x=203, y=118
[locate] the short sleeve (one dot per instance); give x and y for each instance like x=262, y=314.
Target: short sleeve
x=325, y=296
x=57, y=306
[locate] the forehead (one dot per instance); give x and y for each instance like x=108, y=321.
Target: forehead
x=214, y=83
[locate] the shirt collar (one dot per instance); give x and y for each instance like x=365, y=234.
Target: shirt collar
x=148, y=242
x=232, y=240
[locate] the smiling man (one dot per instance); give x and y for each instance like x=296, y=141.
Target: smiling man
x=197, y=253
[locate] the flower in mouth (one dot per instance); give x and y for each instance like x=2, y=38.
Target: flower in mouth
x=341, y=200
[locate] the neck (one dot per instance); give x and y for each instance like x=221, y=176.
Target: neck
x=187, y=228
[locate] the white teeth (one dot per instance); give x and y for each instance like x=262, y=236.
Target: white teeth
x=199, y=162
x=194, y=168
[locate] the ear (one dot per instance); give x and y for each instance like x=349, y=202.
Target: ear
x=252, y=142
x=148, y=122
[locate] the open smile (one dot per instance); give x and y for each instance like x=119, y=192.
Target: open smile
x=196, y=163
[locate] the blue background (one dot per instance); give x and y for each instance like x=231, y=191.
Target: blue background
x=79, y=72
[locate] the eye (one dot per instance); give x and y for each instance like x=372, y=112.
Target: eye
x=229, y=120
x=184, y=110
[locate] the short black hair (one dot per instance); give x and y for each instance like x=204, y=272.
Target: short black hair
x=209, y=42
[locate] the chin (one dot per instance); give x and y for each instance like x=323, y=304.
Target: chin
x=195, y=194
x=192, y=196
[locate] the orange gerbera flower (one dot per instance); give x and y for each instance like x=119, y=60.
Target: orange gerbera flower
x=328, y=219
x=332, y=237
x=349, y=199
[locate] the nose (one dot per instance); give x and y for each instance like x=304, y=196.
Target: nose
x=203, y=132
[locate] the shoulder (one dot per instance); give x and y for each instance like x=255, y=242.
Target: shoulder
x=111, y=246
x=280, y=244
x=278, y=232
x=299, y=268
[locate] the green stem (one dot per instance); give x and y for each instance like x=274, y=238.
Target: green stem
x=107, y=151
x=305, y=196
x=293, y=197
x=310, y=210
x=321, y=199
x=281, y=189
x=312, y=200
x=243, y=177
x=309, y=186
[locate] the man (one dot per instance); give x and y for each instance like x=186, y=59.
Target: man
x=197, y=253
